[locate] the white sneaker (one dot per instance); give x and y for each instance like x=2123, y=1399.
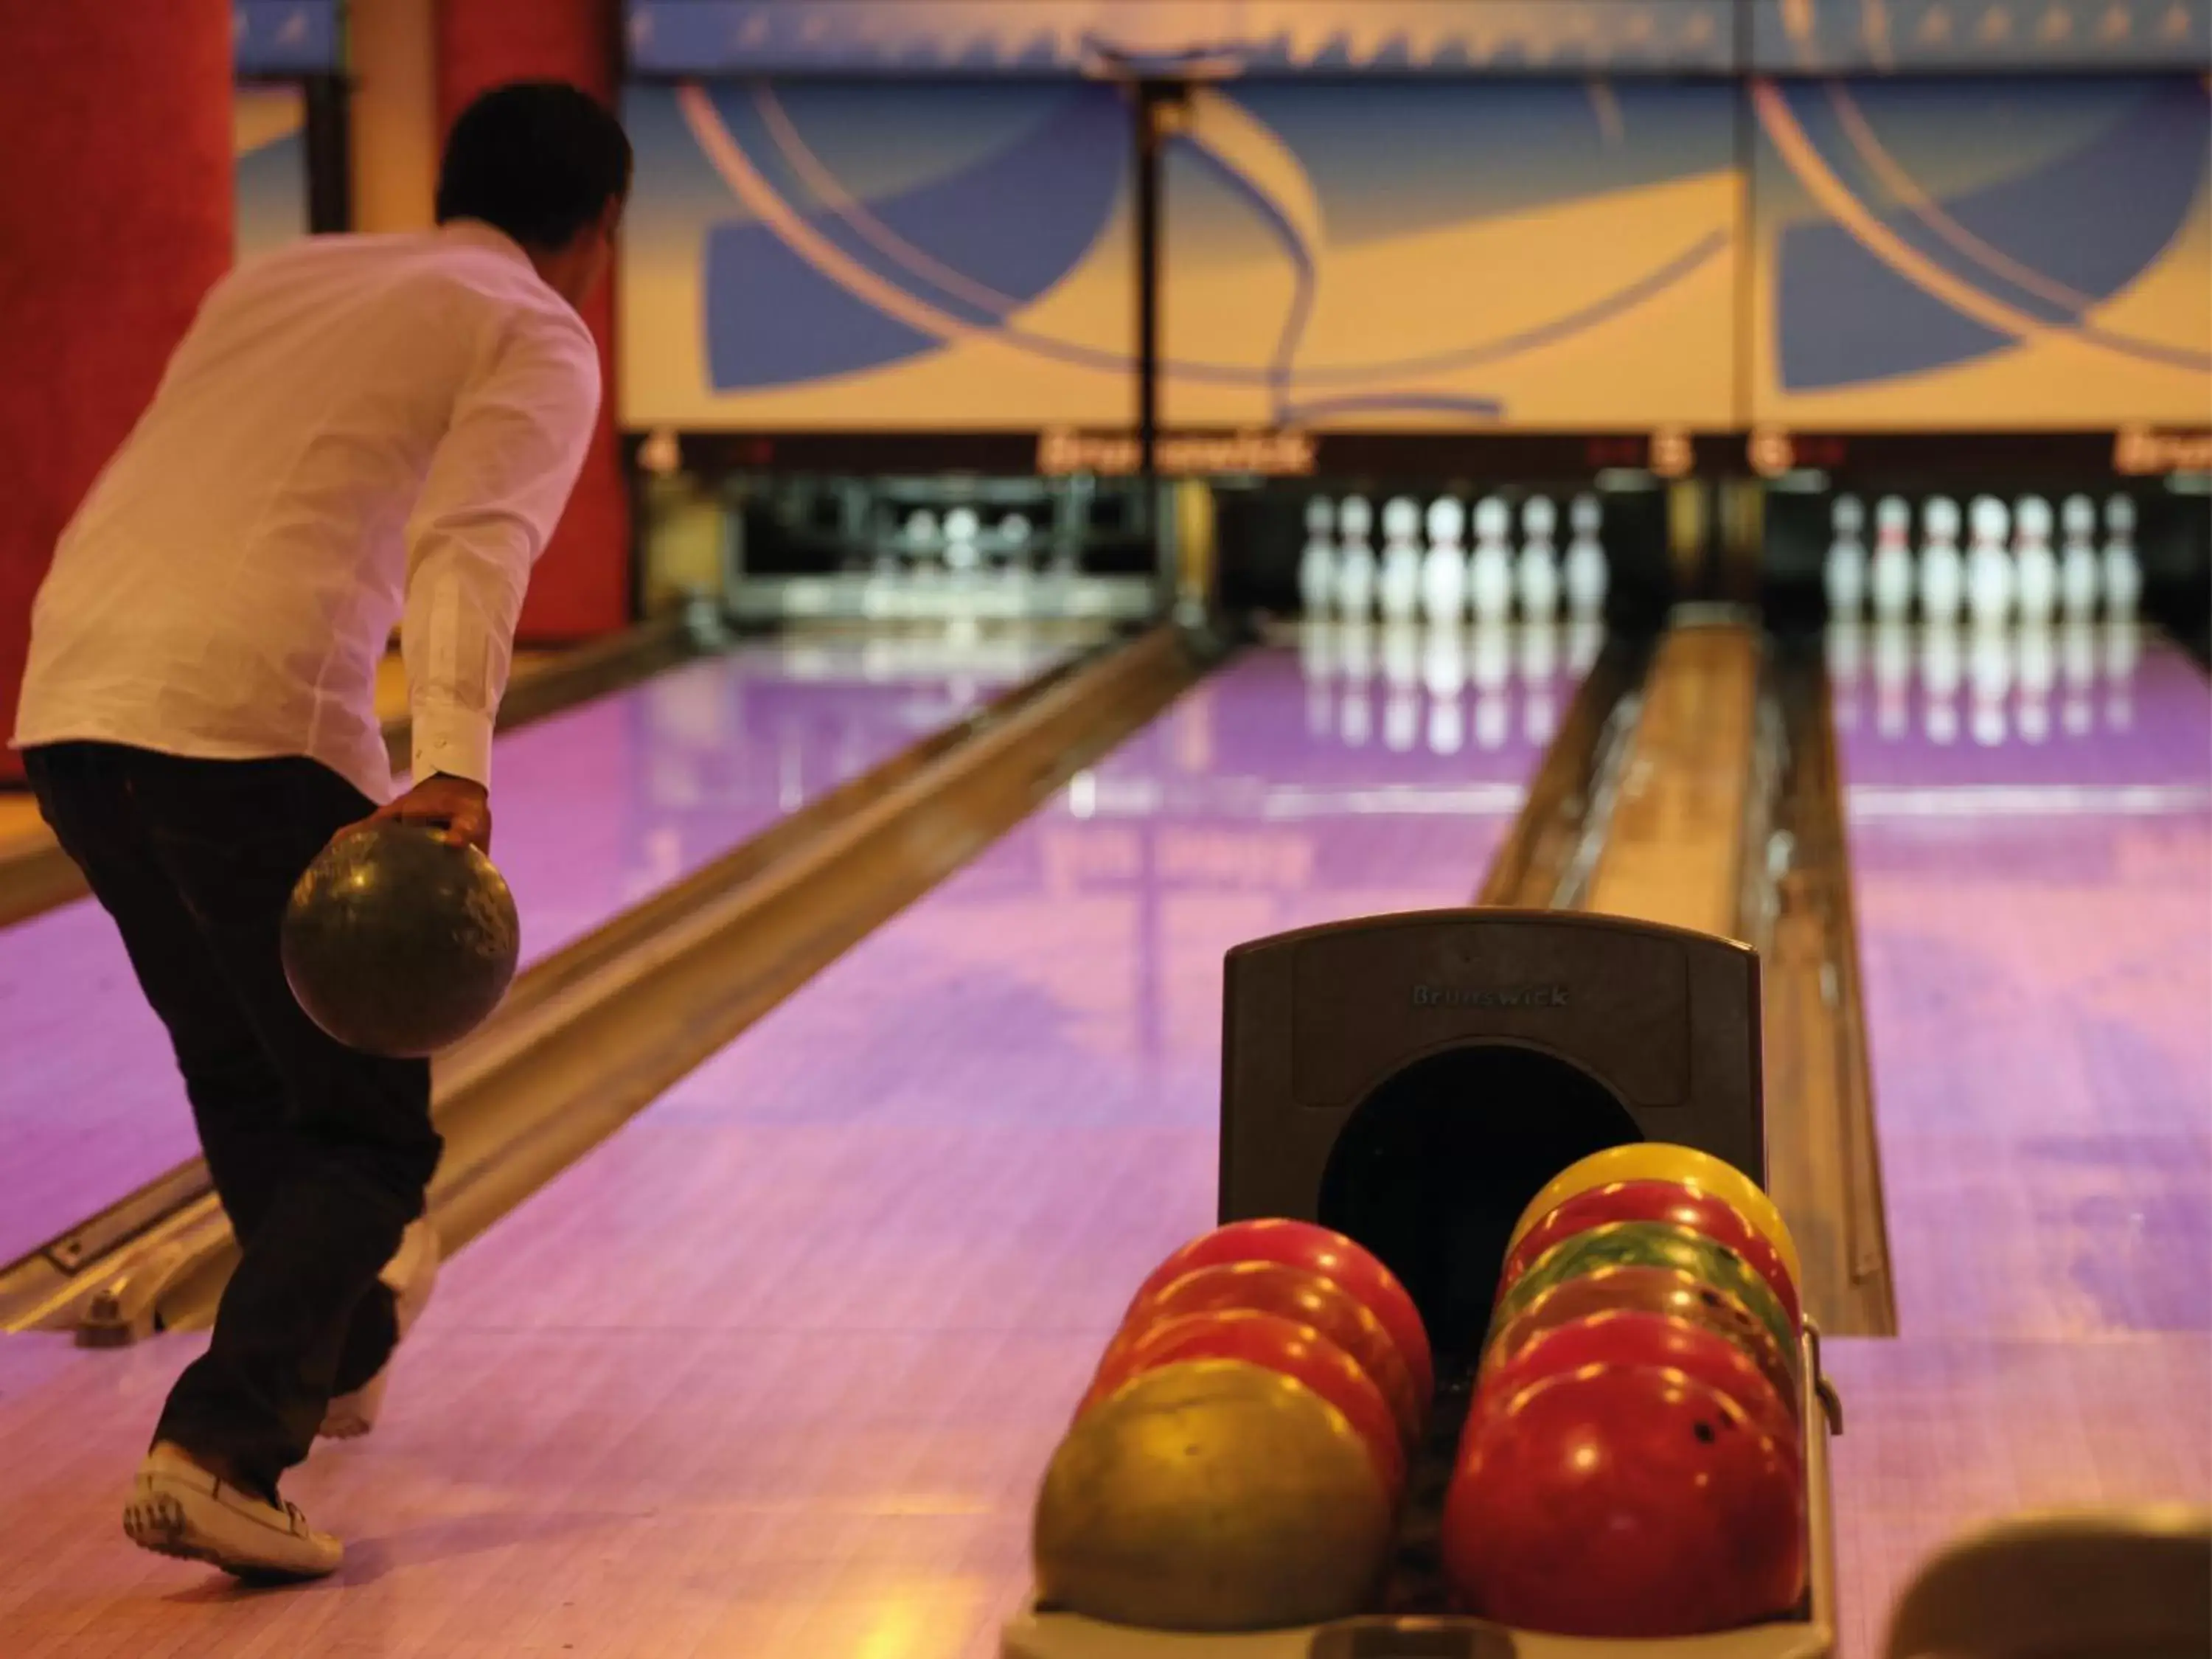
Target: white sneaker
x=410, y=1274
x=177, y=1508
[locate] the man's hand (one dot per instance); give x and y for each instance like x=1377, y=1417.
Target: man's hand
x=460, y=809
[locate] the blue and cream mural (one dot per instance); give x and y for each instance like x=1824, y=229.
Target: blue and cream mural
x=269, y=127
x=1227, y=39
x=1210, y=38
x=1450, y=215
x=2016, y=251
x=1391, y=257
x=878, y=257
x=865, y=256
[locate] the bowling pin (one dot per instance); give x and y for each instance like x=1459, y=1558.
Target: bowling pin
x=2039, y=672
x=1317, y=667
x=1892, y=678
x=1355, y=657
x=1539, y=667
x=2035, y=568
x=1942, y=573
x=2122, y=650
x=1491, y=665
x=919, y=535
x=2123, y=571
x=1401, y=677
x=1585, y=638
x=963, y=548
x=1536, y=577
x=1942, y=669
x=1991, y=665
x=1989, y=576
x=1586, y=572
x=1443, y=569
x=1317, y=563
x=2079, y=580
x=1892, y=575
x=1399, y=586
x=1489, y=571
x=1355, y=562
x=2077, y=647
x=1444, y=669
x=1844, y=573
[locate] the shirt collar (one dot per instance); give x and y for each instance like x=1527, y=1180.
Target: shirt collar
x=476, y=233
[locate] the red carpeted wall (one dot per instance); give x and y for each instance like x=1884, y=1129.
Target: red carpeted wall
x=582, y=585
x=116, y=199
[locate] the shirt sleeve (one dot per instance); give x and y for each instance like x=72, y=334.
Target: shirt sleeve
x=497, y=487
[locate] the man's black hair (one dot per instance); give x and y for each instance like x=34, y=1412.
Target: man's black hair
x=539, y=159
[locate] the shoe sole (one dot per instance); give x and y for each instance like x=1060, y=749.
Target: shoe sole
x=156, y=1521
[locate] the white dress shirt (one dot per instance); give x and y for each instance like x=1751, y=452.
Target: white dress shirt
x=357, y=431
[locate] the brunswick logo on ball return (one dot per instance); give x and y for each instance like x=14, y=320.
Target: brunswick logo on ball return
x=1511, y=996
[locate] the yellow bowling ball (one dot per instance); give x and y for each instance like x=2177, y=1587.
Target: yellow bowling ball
x=1658, y=1160
x=1212, y=1496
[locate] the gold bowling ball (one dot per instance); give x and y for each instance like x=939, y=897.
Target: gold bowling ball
x=1212, y=1496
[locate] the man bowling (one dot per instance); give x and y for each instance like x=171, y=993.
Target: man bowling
x=356, y=432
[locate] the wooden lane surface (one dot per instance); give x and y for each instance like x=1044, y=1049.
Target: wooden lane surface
x=772, y=1372
x=1946, y=1436
x=599, y=805
x=2037, y=975
x=771, y=1375
x=1672, y=852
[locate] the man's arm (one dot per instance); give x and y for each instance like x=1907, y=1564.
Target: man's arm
x=496, y=491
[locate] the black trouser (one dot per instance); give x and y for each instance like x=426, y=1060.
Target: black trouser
x=321, y=1156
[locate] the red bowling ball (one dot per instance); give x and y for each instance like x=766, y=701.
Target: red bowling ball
x=1302, y=1244
x=1665, y=1291
x=1279, y=1343
x=1625, y=1501
x=1298, y=1294
x=1681, y=1203
x=1630, y=1336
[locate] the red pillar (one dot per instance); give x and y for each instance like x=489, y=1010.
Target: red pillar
x=116, y=199
x=582, y=585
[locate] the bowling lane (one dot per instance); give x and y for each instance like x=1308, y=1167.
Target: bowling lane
x=597, y=808
x=772, y=1372
x=2030, y=819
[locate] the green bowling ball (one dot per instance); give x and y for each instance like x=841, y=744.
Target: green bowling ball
x=1651, y=1244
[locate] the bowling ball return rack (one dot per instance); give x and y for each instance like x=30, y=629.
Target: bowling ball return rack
x=1412, y=1080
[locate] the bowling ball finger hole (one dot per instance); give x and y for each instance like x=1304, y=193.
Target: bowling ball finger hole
x=1705, y=1432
